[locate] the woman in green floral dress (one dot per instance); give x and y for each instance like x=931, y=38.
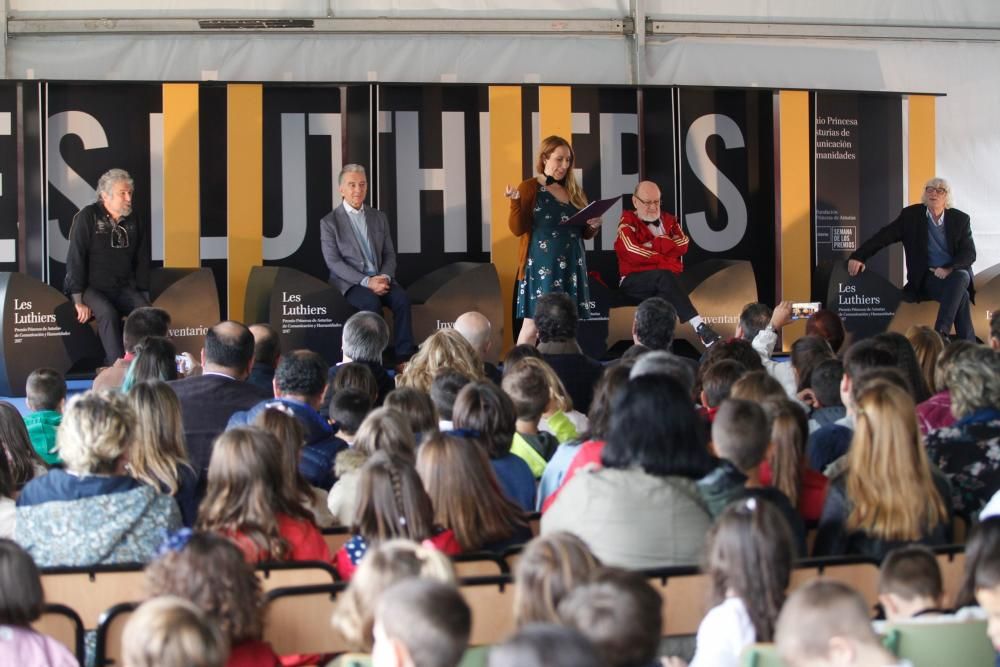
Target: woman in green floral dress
x=552, y=256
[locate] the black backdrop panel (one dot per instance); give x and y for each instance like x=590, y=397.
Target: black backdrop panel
x=727, y=178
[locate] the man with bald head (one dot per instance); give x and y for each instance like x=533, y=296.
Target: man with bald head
x=477, y=329
x=210, y=399
x=650, y=247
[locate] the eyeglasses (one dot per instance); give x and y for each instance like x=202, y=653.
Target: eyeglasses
x=119, y=236
x=651, y=202
x=930, y=189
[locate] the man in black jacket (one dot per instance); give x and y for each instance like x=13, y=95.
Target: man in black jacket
x=940, y=252
x=107, y=267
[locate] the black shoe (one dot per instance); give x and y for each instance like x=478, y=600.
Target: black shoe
x=707, y=335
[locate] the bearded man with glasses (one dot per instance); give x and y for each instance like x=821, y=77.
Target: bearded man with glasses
x=650, y=247
x=107, y=267
x=937, y=240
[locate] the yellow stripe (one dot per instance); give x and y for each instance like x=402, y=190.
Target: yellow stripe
x=796, y=270
x=921, y=140
x=505, y=169
x=245, y=187
x=554, y=112
x=181, y=188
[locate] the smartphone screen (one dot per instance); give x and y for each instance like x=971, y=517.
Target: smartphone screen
x=803, y=310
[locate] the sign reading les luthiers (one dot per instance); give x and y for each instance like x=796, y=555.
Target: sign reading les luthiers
x=39, y=328
x=865, y=302
x=308, y=313
x=857, y=142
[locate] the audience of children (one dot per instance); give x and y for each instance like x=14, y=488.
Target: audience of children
x=385, y=565
x=444, y=390
x=418, y=408
x=158, y=456
x=486, y=414
x=636, y=487
x=620, y=613
x=785, y=467
x=92, y=512
x=45, y=395
x=420, y=623
x=574, y=454
x=741, y=435
x=865, y=515
x=25, y=463
x=749, y=558
x=21, y=604
x=155, y=359
x=384, y=429
x=909, y=584
x=466, y=495
x=248, y=500
x=392, y=503
x=642, y=509
x=288, y=431
x=528, y=389
x=549, y=569
x=966, y=452
x=169, y=631
x=545, y=645
x=824, y=401
x=212, y=573
x=445, y=348
x=826, y=624
x=935, y=412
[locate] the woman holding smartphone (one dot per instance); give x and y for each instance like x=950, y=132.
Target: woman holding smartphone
x=552, y=257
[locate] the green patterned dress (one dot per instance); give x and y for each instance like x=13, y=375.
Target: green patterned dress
x=556, y=261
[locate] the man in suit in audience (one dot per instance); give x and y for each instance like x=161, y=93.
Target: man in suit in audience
x=476, y=328
x=210, y=399
x=556, y=319
x=299, y=385
x=358, y=250
x=364, y=338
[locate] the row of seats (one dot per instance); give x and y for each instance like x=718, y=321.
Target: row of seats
x=933, y=644
x=301, y=598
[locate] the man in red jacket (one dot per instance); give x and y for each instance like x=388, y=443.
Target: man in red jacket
x=649, y=246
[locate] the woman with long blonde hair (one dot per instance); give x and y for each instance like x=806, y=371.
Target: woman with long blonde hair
x=159, y=454
x=928, y=346
x=888, y=494
x=551, y=256
x=445, y=348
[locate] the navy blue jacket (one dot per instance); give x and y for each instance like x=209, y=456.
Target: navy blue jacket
x=322, y=444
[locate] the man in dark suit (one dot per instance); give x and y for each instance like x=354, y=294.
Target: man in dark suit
x=210, y=399
x=940, y=252
x=556, y=319
x=358, y=250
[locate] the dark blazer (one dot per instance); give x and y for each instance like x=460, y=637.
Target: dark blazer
x=910, y=227
x=579, y=373
x=342, y=251
x=207, y=403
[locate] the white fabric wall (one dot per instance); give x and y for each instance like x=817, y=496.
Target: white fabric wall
x=968, y=142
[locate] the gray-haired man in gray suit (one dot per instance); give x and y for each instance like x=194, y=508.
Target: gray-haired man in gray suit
x=359, y=253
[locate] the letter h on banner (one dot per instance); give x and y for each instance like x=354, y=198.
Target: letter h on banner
x=411, y=179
